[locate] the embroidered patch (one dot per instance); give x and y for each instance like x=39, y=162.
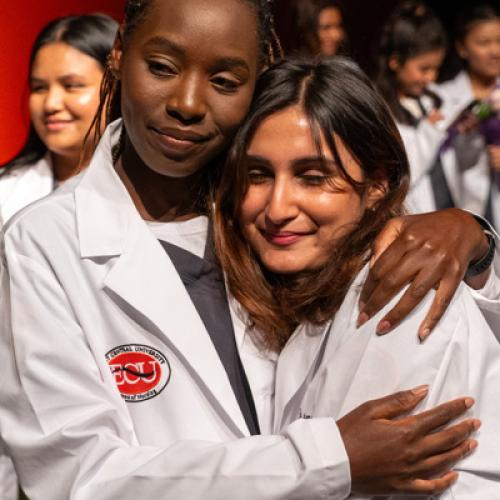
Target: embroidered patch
x=141, y=372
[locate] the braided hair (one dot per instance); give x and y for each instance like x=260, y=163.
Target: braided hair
x=135, y=11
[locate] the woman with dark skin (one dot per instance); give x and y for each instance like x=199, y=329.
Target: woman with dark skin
x=181, y=76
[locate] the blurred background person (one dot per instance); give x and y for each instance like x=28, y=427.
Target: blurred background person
x=65, y=72
x=412, y=49
x=471, y=155
x=318, y=28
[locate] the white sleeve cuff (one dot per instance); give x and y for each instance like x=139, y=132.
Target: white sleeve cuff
x=321, y=448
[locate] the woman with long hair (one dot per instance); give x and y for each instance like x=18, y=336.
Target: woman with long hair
x=412, y=49
x=66, y=67
x=470, y=160
x=126, y=369
x=300, y=205
x=318, y=28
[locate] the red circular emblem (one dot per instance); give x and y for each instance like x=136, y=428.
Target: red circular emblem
x=141, y=372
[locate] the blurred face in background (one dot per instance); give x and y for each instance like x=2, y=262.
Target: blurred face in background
x=64, y=96
x=330, y=30
x=481, y=49
x=416, y=73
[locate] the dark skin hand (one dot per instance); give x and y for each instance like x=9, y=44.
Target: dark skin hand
x=409, y=455
x=429, y=251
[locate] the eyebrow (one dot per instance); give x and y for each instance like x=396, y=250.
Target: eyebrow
x=222, y=63
x=299, y=162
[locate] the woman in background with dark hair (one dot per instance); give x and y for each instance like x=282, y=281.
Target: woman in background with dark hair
x=470, y=159
x=65, y=71
x=319, y=28
x=412, y=49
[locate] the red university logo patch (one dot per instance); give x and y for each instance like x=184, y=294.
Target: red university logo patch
x=141, y=372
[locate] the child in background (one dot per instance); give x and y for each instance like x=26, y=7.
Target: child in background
x=470, y=159
x=413, y=47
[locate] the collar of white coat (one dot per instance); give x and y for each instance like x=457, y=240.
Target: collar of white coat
x=104, y=209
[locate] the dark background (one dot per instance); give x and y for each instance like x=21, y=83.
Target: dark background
x=364, y=21
x=21, y=20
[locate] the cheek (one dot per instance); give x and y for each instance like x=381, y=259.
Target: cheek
x=229, y=111
x=253, y=205
x=35, y=105
x=85, y=103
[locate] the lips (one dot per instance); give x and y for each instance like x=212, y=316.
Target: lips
x=54, y=125
x=283, y=238
x=178, y=143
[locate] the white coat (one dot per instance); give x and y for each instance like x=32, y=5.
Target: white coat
x=24, y=185
x=18, y=188
x=466, y=164
x=110, y=385
x=330, y=371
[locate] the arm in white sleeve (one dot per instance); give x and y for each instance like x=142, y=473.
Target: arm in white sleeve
x=71, y=436
x=422, y=144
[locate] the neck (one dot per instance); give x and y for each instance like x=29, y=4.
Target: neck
x=482, y=86
x=65, y=167
x=156, y=197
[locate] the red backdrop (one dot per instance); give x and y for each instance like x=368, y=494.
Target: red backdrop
x=20, y=22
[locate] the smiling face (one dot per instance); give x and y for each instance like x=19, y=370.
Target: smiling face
x=64, y=96
x=415, y=74
x=187, y=74
x=330, y=30
x=297, y=206
x=481, y=49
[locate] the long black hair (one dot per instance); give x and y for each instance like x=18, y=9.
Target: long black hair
x=91, y=34
x=413, y=29
x=337, y=98
x=305, y=40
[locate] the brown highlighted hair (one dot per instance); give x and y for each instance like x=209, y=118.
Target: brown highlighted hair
x=337, y=98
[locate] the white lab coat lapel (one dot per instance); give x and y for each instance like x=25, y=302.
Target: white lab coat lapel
x=145, y=279
x=303, y=353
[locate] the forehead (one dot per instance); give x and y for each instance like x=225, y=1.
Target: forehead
x=60, y=58
x=485, y=28
x=205, y=26
x=330, y=15
x=284, y=134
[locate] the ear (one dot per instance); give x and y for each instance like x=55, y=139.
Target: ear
x=461, y=50
x=374, y=193
x=393, y=63
x=115, y=56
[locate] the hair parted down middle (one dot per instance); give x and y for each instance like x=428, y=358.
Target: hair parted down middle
x=336, y=97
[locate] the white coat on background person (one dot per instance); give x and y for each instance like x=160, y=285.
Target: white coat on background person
x=86, y=289
x=466, y=164
x=19, y=187
x=23, y=185
x=329, y=371
x=422, y=143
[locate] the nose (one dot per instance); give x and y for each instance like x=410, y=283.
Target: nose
x=282, y=206
x=54, y=100
x=187, y=101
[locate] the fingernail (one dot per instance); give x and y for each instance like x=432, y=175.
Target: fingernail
x=476, y=424
x=472, y=445
x=469, y=402
x=383, y=327
x=424, y=334
x=362, y=319
x=421, y=390
x=361, y=306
